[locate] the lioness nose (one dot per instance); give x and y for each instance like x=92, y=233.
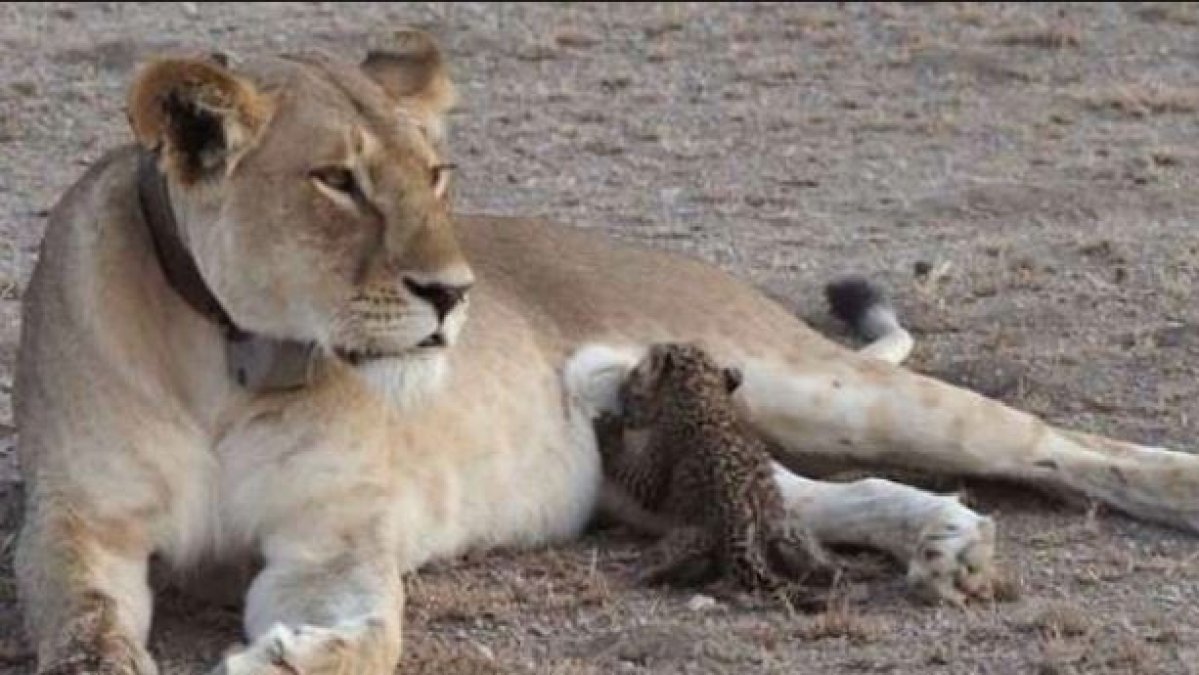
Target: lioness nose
x=443, y=297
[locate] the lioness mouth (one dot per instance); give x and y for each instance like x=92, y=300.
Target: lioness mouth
x=356, y=357
x=434, y=340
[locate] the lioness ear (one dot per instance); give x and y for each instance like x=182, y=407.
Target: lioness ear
x=732, y=379
x=413, y=73
x=196, y=113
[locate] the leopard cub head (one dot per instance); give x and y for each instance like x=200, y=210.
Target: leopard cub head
x=674, y=374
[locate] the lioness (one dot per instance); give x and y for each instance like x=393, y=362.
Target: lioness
x=247, y=338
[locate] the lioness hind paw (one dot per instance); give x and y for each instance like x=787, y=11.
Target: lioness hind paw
x=954, y=559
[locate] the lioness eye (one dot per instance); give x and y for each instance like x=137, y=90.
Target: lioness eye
x=337, y=177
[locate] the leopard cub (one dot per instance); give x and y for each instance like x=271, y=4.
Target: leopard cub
x=678, y=450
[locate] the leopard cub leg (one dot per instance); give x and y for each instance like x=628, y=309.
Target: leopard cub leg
x=796, y=553
x=683, y=557
x=748, y=561
x=754, y=569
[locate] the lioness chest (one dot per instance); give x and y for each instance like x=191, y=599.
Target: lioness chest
x=491, y=455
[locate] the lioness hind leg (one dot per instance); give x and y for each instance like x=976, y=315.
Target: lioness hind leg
x=862, y=410
x=87, y=600
x=948, y=548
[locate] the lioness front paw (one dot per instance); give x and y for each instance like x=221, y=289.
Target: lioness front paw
x=89, y=643
x=87, y=665
x=284, y=650
x=954, y=558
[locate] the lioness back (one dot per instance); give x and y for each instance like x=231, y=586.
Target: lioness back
x=576, y=285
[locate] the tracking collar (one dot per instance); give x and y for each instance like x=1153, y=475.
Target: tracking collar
x=256, y=362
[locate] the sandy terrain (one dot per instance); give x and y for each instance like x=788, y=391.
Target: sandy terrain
x=1044, y=158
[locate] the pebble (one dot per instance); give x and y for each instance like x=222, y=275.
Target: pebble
x=485, y=651
x=701, y=603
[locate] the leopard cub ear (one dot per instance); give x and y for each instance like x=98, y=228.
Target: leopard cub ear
x=658, y=361
x=732, y=379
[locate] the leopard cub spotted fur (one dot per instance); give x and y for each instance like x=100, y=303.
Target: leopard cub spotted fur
x=678, y=450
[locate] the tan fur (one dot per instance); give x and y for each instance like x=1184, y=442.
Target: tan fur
x=411, y=71
x=134, y=441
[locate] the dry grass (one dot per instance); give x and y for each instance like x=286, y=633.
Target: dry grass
x=1061, y=620
x=1051, y=37
x=1181, y=13
x=1141, y=100
x=1059, y=657
x=1101, y=653
x=841, y=621
x=1161, y=631
x=813, y=19
x=1178, y=276
x=13, y=264
x=1007, y=588
x=970, y=14
x=429, y=657
x=573, y=667
x=573, y=38
x=1126, y=654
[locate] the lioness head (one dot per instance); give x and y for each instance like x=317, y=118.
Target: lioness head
x=311, y=193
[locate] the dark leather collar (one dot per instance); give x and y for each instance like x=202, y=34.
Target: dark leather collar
x=176, y=261
x=256, y=362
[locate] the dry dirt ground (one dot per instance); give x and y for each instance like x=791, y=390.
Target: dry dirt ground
x=1040, y=161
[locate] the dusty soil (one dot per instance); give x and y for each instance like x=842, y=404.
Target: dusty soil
x=1041, y=161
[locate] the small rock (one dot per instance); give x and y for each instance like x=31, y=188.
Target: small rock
x=701, y=603
x=658, y=55
x=573, y=38
x=13, y=652
x=1164, y=158
x=603, y=149
x=929, y=274
x=24, y=88
x=536, y=52
x=1177, y=336
x=485, y=651
x=190, y=9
